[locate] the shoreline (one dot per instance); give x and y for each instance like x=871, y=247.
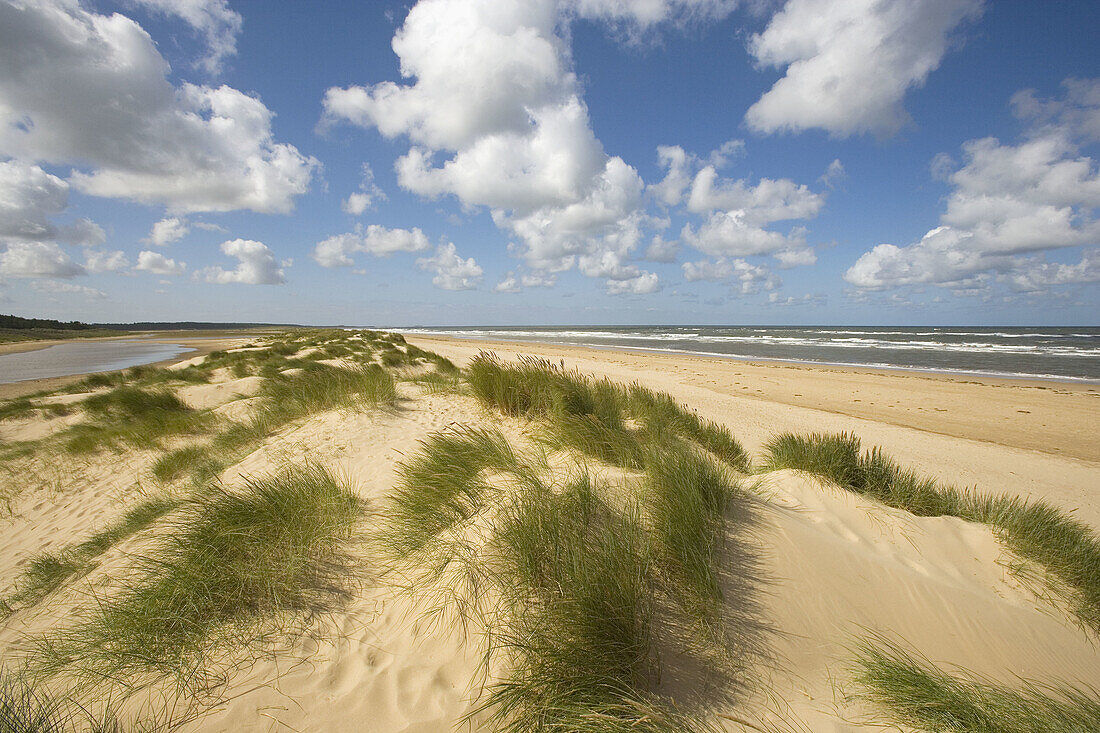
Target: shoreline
x=1043, y=416
x=930, y=371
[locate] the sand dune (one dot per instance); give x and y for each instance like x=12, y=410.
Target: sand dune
x=832, y=566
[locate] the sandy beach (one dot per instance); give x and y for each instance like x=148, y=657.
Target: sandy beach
x=831, y=566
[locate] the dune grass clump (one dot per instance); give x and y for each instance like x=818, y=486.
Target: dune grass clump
x=836, y=457
x=234, y=569
x=442, y=487
x=49, y=571
x=133, y=416
x=23, y=710
x=321, y=387
x=281, y=400
x=1068, y=550
x=572, y=584
x=687, y=497
x=916, y=694
x=595, y=417
x=578, y=635
x=659, y=413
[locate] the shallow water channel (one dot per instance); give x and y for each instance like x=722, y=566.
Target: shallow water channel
x=84, y=357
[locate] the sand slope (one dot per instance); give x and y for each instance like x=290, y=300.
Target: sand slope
x=833, y=566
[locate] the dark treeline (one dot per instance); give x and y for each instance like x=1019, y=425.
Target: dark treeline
x=189, y=326
x=15, y=322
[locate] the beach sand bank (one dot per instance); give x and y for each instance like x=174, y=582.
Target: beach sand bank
x=831, y=566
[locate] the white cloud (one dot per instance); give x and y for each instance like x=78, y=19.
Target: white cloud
x=37, y=259
x=677, y=162
x=99, y=261
x=29, y=198
x=768, y=201
x=256, y=266
x=539, y=280
x=849, y=63
x=91, y=90
x=646, y=13
x=834, y=175
x=1007, y=202
x=737, y=211
x=1038, y=277
x=168, y=230
x=707, y=270
x=791, y=300
x=728, y=234
x=158, y=264
x=451, y=271
x=747, y=278
x=53, y=286
x=357, y=203
x=378, y=241
x=212, y=19
x=495, y=118
x=641, y=284
x=508, y=285
x=660, y=250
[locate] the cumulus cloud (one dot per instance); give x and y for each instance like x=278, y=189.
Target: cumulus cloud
x=495, y=118
x=660, y=250
x=376, y=240
x=29, y=198
x=849, y=63
x=256, y=265
x=158, y=264
x=450, y=270
x=792, y=300
x=357, y=203
x=643, y=14
x=737, y=212
x=509, y=284
x=731, y=233
x=89, y=90
x=99, y=261
x=168, y=230
x=53, y=286
x=641, y=284
x=1008, y=203
x=37, y=259
x=746, y=277
x=212, y=19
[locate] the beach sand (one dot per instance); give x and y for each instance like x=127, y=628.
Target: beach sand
x=832, y=566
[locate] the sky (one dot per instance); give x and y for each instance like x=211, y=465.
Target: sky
x=551, y=162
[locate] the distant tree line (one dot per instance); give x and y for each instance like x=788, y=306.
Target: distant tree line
x=15, y=322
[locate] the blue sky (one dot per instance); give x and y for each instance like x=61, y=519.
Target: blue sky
x=551, y=161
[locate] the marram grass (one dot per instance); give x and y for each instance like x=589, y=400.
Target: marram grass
x=1068, y=550
x=574, y=582
x=232, y=569
x=49, y=571
x=913, y=692
x=592, y=416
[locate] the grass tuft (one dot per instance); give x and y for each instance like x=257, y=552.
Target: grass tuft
x=1068, y=550
x=915, y=693
x=231, y=568
x=133, y=416
x=49, y=571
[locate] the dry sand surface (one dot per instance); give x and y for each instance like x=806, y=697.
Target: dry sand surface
x=832, y=566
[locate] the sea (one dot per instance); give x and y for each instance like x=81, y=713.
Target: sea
x=1064, y=354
